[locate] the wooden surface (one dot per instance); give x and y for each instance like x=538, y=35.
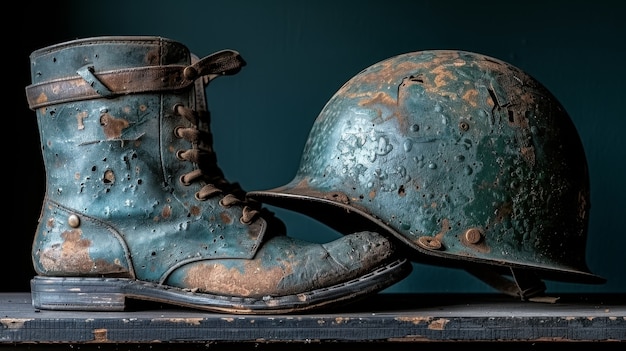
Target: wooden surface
x=392, y=319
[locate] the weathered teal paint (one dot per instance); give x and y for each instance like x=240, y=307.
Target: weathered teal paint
x=136, y=204
x=262, y=117
x=458, y=155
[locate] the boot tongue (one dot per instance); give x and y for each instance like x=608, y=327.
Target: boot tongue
x=213, y=173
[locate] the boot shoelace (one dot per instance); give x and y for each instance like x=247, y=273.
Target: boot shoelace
x=202, y=154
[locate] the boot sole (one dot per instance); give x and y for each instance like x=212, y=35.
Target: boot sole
x=110, y=294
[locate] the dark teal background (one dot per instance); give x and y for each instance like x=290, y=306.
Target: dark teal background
x=299, y=53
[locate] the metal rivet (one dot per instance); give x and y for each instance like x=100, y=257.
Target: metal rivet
x=429, y=242
x=190, y=72
x=473, y=235
x=464, y=126
x=73, y=221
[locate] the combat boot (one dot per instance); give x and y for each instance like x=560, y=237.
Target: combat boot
x=137, y=207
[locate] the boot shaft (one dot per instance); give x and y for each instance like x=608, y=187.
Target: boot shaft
x=105, y=154
x=114, y=154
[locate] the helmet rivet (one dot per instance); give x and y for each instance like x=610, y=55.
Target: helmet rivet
x=473, y=235
x=464, y=126
x=429, y=242
x=73, y=221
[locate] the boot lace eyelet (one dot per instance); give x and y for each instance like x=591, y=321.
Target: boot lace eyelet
x=177, y=132
x=183, y=182
x=179, y=155
x=175, y=108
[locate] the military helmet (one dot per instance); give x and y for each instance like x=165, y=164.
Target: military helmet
x=464, y=158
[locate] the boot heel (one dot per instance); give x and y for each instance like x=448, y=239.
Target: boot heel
x=78, y=294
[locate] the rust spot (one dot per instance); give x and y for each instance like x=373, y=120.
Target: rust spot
x=337, y=197
x=438, y=324
x=42, y=98
x=251, y=279
x=226, y=218
x=77, y=175
x=109, y=177
x=14, y=323
x=445, y=227
x=442, y=76
x=100, y=335
x=340, y=320
x=490, y=102
x=70, y=256
x=79, y=119
x=379, y=99
x=195, y=210
x=112, y=126
x=166, y=212
x=382, y=102
x=471, y=97
x=372, y=194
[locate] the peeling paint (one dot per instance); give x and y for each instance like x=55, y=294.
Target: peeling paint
x=80, y=118
x=70, y=256
x=166, y=212
x=438, y=324
x=14, y=323
x=340, y=320
x=250, y=278
x=112, y=126
x=100, y=335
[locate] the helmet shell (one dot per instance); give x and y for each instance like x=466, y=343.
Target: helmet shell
x=461, y=156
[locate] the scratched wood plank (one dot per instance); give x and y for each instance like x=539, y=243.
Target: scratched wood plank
x=398, y=319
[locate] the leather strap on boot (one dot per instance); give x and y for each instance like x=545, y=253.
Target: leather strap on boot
x=89, y=84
